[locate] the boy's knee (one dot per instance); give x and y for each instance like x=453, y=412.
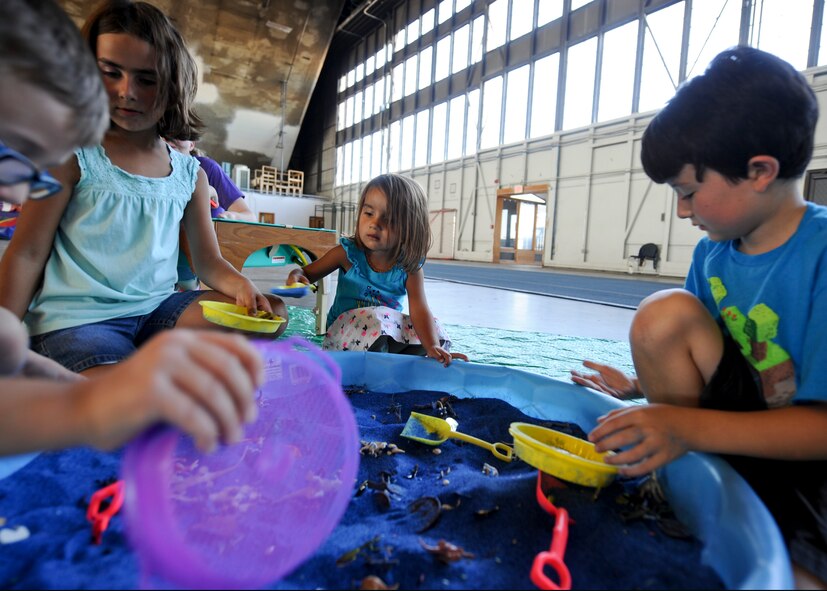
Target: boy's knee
x=14, y=343
x=666, y=315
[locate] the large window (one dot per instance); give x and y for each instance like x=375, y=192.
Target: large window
x=515, y=95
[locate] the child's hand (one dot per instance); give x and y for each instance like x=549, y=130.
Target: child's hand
x=608, y=380
x=203, y=382
x=297, y=276
x=651, y=434
x=443, y=356
x=248, y=296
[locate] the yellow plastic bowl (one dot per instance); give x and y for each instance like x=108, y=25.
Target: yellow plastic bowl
x=566, y=457
x=232, y=316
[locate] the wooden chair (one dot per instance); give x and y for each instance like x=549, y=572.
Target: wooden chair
x=295, y=182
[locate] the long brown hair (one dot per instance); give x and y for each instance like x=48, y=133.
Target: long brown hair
x=176, y=68
x=407, y=216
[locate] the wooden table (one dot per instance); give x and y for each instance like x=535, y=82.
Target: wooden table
x=238, y=240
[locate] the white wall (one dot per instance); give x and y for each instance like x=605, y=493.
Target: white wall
x=289, y=211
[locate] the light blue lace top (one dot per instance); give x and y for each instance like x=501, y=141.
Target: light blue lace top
x=116, y=247
x=362, y=287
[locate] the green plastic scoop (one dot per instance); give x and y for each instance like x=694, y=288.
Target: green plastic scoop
x=433, y=431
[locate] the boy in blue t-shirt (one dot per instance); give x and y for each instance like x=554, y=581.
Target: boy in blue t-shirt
x=736, y=363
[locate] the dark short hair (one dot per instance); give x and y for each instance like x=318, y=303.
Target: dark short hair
x=747, y=103
x=177, y=71
x=40, y=45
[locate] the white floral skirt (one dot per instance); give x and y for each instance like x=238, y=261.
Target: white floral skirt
x=378, y=328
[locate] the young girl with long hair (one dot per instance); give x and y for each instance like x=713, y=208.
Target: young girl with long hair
x=380, y=267
x=94, y=268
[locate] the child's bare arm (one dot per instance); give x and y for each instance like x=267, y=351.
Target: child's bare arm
x=21, y=268
x=655, y=434
x=203, y=382
x=210, y=266
x=423, y=320
x=608, y=380
x=333, y=259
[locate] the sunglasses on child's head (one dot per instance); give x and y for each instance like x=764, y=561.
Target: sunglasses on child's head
x=15, y=168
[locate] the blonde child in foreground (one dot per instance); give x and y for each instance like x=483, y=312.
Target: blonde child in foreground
x=51, y=101
x=736, y=363
x=94, y=269
x=379, y=267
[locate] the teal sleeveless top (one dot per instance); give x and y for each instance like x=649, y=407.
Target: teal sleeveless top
x=116, y=247
x=362, y=287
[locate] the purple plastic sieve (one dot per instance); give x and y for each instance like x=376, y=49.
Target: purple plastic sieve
x=248, y=514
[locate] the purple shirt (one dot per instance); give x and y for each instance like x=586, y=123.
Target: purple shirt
x=227, y=191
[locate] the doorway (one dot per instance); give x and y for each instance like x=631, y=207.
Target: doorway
x=521, y=227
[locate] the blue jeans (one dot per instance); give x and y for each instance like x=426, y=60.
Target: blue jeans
x=101, y=343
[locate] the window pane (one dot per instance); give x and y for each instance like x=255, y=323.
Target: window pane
x=351, y=78
x=370, y=65
x=472, y=122
x=340, y=164
x=525, y=236
x=342, y=83
x=522, y=17
x=340, y=118
x=422, y=135
x=476, y=39
x=497, y=15
x=456, y=121
x=381, y=94
x=492, y=101
x=783, y=29
x=394, y=145
x=397, y=83
x=460, y=60
x=347, y=176
x=548, y=11
x=438, y=133
x=425, y=67
x=714, y=26
x=443, y=58
x=428, y=21
x=368, y=101
x=399, y=40
x=413, y=32
x=445, y=10
x=376, y=155
x=617, y=73
x=358, y=107
x=407, y=143
x=544, y=96
x=462, y=4
x=577, y=106
x=661, y=57
x=381, y=57
x=360, y=72
x=516, y=105
x=367, y=158
x=349, y=112
x=411, y=74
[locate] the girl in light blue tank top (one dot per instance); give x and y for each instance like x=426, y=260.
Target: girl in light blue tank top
x=380, y=270
x=98, y=272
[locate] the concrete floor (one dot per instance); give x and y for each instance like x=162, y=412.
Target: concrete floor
x=455, y=303
x=468, y=305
